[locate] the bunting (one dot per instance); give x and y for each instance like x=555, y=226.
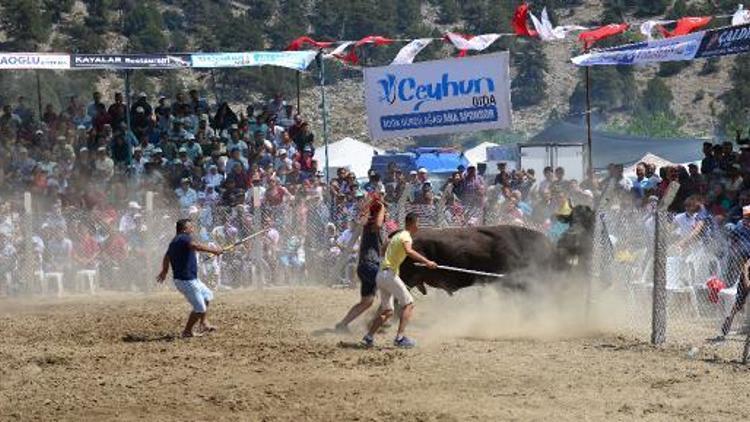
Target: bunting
x=520, y=24
x=589, y=38
x=685, y=26
x=300, y=42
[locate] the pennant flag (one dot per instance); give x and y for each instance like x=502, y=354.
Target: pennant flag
x=469, y=42
x=520, y=27
x=741, y=16
x=338, y=52
x=300, y=42
x=545, y=30
x=374, y=39
x=598, y=34
x=647, y=28
x=686, y=26
x=407, y=54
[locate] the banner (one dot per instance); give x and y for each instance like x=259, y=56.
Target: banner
x=34, y=61
x=297, y=60
x=725, y=41
x=671, y=49
x=130, y=61
x=435, y=97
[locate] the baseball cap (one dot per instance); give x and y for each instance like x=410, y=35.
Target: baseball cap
x=422, y=170
x=413, y=173
x=134, y=205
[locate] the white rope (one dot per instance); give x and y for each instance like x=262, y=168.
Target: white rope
x=463, y=270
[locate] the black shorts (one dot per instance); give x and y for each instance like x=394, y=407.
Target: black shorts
x=367, y=274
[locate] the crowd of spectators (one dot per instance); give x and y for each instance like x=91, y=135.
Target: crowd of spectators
x=236, y=172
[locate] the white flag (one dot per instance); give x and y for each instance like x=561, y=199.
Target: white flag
x=647, y=28
x=547, y=32
x=407, y=54
x=741, y=16
x=543, y=27
x=339, y=51
x=478, y=43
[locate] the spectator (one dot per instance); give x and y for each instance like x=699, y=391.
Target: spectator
x=186, y=195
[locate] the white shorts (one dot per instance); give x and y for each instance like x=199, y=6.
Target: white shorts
x=390, y=287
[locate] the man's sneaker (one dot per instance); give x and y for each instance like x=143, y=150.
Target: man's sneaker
x=404, y=342
x=367, y=341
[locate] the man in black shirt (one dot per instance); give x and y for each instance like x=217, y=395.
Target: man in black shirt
x=184, y=261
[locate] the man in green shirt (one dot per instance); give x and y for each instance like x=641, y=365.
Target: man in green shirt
x=391, y=286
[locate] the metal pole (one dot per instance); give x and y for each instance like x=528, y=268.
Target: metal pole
x=324, y=110
x=128, y=98
x=588, y=122
x=299, y=108
x=39, y=94
x=659, y=305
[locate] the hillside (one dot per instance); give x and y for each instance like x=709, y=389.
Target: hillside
x=546, y=84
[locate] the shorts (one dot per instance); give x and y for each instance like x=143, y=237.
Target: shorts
x=368, y=274
x=392, y=287
x=196, y=293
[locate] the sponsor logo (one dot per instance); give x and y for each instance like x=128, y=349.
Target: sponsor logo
x=411, y=91
x=727, y=38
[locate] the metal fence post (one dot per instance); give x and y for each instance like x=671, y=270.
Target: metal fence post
x=149, y=242
x=659, y=308
x=28, y=246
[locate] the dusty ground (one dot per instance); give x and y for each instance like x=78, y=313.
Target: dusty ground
x=69, y=360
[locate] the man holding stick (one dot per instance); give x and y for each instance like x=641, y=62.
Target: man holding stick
x=391, y=286
x=181, y=255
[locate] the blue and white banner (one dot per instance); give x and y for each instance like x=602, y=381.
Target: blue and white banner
x=297, y=60
x=34, y=61
x=664, y=50
x=441, y=96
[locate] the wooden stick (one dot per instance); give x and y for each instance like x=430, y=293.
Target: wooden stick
x=237, y=243
x=463, y=270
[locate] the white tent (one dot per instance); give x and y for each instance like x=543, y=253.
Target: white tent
x=478, y=154
x=648, y=159
x=348, y=152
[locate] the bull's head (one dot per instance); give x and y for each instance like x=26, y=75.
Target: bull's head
x=577, y=242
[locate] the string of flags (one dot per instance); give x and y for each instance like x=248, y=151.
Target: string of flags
x=525, y=25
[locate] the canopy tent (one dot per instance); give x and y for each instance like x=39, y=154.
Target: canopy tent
x=349, y=153
x=478, y=154
x=648, y=159
x=621, y=149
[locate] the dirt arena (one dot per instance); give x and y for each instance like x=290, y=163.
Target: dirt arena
x=117, y=358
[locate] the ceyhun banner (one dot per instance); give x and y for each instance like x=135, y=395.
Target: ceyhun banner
x=435, y=97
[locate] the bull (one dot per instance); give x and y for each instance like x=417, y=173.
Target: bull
x=517, y=252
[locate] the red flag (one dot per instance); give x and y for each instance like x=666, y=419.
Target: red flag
x=300, y=42
x=519, y=22
x=461, y=51
x=685, y=26
x=373, y=39
x=350, y=57
x=606, y=31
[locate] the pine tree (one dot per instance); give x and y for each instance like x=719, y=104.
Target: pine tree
x=657, y=97
x=25, y=23
x=529, y=87
x=737, y=99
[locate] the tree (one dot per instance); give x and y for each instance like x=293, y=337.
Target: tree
x=143, y=26
x=25, y=23
x=657, y=97
x=529, y=87
x=613, y=88
x=737, y=99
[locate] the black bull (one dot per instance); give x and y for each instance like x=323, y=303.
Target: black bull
x=516, y=252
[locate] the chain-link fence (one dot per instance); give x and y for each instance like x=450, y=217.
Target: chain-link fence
x=693, y=273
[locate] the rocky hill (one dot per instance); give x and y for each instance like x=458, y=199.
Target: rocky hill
x=694, y=95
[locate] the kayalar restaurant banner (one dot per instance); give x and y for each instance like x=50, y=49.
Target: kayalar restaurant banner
x=130, y=61
x=724, y=41
x=436, y=97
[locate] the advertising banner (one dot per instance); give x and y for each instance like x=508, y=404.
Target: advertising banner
x=436, y=97
x=130, y=61
x=297, y=60
x=664, y=50
x=34, y=61
x=725, y=41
